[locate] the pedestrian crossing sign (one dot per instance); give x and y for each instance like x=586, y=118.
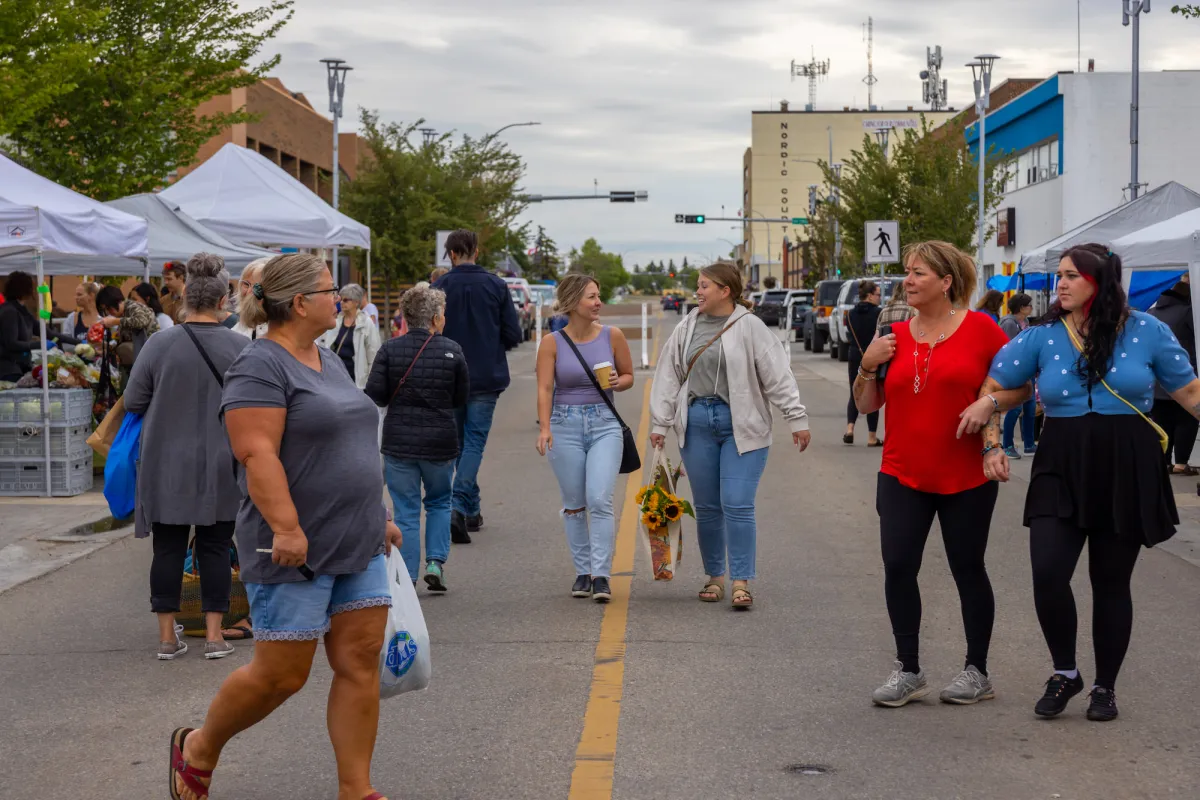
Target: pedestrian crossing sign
x=882, y=242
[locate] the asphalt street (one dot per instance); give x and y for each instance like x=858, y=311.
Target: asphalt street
x=538, y=695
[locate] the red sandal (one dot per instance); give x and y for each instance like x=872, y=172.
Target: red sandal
x=183, y=770
x=375, y=796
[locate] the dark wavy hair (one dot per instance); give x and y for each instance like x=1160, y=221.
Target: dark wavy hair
x=1107, y=314
x=150, y=295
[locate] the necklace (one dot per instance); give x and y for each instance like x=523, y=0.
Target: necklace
x=917, y=384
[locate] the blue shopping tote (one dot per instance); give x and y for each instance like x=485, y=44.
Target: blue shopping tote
x=120, y=467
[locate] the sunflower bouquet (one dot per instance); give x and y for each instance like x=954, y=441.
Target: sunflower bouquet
x=661, y=511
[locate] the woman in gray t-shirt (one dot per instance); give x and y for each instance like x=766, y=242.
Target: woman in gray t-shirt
x=311, y=541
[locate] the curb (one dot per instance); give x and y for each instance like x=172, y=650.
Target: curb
x=32, y=558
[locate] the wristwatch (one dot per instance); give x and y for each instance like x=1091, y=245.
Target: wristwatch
x=989, y=448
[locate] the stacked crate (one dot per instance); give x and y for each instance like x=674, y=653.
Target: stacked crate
x=22, y=443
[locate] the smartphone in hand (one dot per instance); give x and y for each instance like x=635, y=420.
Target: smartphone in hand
x=884, y=330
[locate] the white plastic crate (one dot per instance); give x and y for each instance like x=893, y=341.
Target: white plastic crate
x=26, y=440
x=67, y=406
x=27, y=477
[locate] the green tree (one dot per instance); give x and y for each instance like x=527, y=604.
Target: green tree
x=406, y=193
x=684, y=267
x=929, y=185
x=607, y=268
x=45, y=49
x=546, y=262
x=1189, y=11
x=131, y=117
x=655, y=269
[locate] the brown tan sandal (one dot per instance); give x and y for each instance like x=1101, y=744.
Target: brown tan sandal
x=712, y=592
x=742, y=598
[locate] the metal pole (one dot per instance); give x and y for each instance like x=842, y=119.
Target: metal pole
x=336, y=175
x=45, y=376
x=982, y=199
x=1133, y=107
x=645, y=336
x=368, y=275
x=837, y=230
x=537, y=326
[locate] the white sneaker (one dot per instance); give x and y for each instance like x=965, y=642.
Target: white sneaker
x=969, y=687
x=167, y=651
x=900, y=688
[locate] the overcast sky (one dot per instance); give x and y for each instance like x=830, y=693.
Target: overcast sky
x=657, y=94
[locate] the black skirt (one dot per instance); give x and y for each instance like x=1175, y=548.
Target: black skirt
x=1106, y=474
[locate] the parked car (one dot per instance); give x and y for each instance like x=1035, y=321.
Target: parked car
x=770, y=307
x=847, y=298
x=794, y=296
x=816, y=333
x=755, y=298
x=523, y=302
x=673, y=302
x=799, y=314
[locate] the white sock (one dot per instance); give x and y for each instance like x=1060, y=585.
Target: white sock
x=1070, y=673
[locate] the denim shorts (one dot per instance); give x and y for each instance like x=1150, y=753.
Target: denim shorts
x=301, y=611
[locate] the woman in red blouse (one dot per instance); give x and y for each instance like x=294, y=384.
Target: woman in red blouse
x=932, y=461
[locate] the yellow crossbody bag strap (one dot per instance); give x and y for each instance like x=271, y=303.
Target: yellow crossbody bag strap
x=1163, y=438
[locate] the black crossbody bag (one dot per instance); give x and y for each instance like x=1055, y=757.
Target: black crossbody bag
x=631, y=460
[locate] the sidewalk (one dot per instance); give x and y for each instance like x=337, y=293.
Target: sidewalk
x=41, y=534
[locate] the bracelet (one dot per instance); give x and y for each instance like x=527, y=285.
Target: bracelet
x=995, y=403
x=866, y=376
x=989, y=448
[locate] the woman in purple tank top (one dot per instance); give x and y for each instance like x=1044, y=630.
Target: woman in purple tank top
x=579, y=434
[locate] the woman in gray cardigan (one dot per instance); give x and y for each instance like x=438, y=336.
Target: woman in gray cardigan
x=185, y=470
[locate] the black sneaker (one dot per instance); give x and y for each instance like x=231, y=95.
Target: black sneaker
x=600, y=591
x=458, y=528
x=582, y=586
x=1059, y=690
x=475, y=523
x=1103, y=707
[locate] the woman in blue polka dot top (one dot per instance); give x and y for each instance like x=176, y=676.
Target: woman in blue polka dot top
x=1099, y=475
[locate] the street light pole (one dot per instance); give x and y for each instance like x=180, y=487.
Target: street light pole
x=1133, y=9
x=881, y=135
x=336, y=70
x=981, y=72
x=508, y=221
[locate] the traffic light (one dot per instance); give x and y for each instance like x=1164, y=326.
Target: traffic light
x=690, y=219
x=621, y=197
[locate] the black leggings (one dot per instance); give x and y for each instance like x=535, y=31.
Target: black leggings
x=851, y=409
x=905, y=517
x=1054, y=548
x=211, y=555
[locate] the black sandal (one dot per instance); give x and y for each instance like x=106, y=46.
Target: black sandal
x=243, y=631
x=848, y=438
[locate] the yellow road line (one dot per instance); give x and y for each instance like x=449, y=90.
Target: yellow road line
x=592, y=778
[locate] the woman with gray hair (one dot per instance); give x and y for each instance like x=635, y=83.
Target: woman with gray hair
x=421, y=378
x=355, y=339
x=311, y=542
x=183, y=479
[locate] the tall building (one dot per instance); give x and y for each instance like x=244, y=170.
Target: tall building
x=781, y=163
x=1068, y=138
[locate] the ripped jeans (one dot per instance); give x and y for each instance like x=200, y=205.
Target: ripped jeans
x=586, y=457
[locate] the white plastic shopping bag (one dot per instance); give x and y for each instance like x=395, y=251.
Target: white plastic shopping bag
x=404, y=664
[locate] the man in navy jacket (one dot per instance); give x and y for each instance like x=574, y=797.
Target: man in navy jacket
x=481, y=318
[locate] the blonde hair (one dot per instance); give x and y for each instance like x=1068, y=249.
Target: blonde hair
x=946, y=260
x=283, y=277
x=725, y=274
x=438, y=272
x=251, y=274
x=570, y=291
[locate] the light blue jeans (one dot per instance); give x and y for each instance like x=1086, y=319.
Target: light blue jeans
x=586, y=457
x=723, y=488
x=404, y=478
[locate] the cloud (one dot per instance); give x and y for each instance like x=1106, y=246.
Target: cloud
x=657, y=94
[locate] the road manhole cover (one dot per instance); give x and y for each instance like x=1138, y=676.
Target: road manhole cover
x=808, y=769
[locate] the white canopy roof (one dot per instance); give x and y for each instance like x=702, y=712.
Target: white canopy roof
x=173, y=236
x=1170, y=243
x=246, y=197
x=1168, y=200
x=39, y=215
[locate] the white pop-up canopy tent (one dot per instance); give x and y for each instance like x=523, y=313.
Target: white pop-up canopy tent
x=38, y=216
x=172, y=236
x=1163, y=203
x=1172, y=246
x=247, y=197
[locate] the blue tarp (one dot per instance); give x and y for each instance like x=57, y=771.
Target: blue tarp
x=1144, y=288
x=1012, y=283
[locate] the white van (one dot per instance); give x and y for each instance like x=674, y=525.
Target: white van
x=839, y=325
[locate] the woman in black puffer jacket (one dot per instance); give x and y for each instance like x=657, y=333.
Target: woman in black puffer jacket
x=421, y=378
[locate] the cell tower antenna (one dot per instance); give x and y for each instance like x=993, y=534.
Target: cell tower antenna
x=934, y=87
x=813, y=70
x=870, y=80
